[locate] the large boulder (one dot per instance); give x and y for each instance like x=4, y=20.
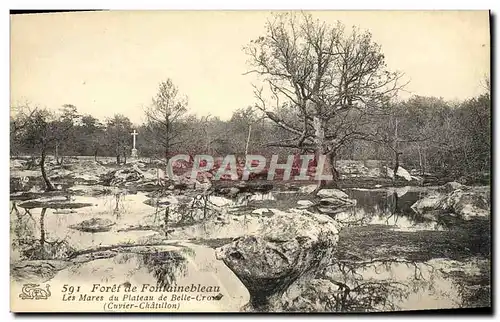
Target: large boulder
x=288, y=249
x=464, y=202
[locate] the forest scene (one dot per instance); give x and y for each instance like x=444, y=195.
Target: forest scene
x=401, y=222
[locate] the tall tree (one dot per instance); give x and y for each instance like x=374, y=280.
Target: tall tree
x=118, y=131
x=39, y=134
x=92, y=132
x=164, y=116
x=330, y=78
x=64, y=133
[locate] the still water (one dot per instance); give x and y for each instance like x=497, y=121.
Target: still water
x=158, y=247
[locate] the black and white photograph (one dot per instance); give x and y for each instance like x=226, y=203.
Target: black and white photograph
x=250, y=161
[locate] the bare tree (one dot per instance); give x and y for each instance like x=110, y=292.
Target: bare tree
x=330, y=78
x=40, y=133
x=20, y=117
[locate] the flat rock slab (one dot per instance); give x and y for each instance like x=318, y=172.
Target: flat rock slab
x=58, y=202
x=94, y=225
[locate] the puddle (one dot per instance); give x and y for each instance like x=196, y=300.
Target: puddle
x=157, y=273
x=233, y=218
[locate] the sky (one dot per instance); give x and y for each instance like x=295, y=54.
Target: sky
x=112, y=62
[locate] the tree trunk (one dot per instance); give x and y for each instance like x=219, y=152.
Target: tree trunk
x=395, y=149
x=124, y=157
x=248, y=140
x=117, y=158
x=319, y=138
x=56, y=154
x=42, y=226
x=165, y=222
x=95, y=154
x=420, y=160
x=48, y=184
x=336, y=175
x=396, y=164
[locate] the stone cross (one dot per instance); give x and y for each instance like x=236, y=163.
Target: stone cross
x=134, y=134
x=134, y=150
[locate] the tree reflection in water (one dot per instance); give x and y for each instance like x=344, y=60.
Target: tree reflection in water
x=22, y=227
x=166, y=266
x=375, y=285
x=31, y=247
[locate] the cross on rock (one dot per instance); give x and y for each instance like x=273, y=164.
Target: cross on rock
x=134, y=150
x=134, y=134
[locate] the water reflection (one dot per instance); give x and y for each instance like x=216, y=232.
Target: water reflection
x=166, y=267
x=360, y=286
x=389, y=284
x=391, y=207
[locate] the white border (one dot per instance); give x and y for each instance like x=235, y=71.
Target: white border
x=200, y=5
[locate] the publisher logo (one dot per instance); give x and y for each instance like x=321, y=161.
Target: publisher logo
x=34, y=292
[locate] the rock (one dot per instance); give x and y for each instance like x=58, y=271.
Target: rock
x=85, y=177
x=451, y=186
x=94, y=225
x=334, y=205
x=332, y=193
x=121, y=176
x=305, y=203
x=56, y=202
x=403, y=173
x=231, y=192
x=220, y=201
x=140, y=164
x=162, y=202
x=308, y=189
x=465, y=204
x=427, y=204
x=261, y=211
x=288, y=249
x=336, y=202
x=148, y=186
x=15, y=163
x=333, y=201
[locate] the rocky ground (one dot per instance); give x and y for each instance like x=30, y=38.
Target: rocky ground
x=288, y=247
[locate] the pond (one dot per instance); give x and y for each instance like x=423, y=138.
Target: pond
x=390, y=257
